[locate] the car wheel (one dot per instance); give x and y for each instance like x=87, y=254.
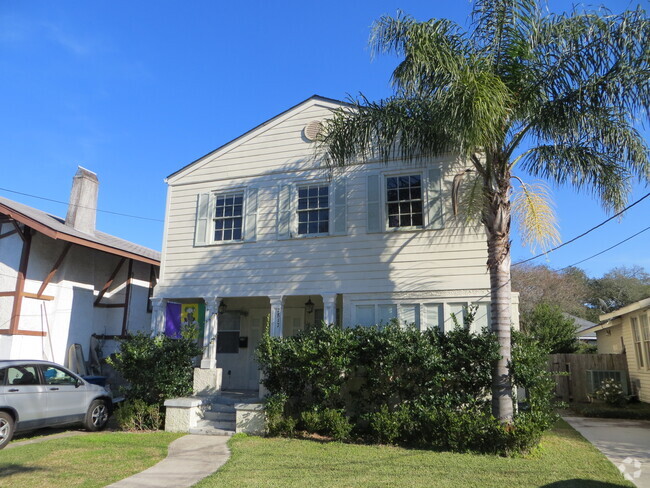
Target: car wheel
x=97, y=415
x=6, y=428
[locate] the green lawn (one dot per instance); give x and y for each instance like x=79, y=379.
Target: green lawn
x=92, y=460
x=564, y=459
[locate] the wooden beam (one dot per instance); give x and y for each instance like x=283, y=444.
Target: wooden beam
x=54, y=269
x=7, y=234
x=26, y=295
x=127, y=297
x=108, y=284
x=20, y=279
x=23, y=332
x=21, y=233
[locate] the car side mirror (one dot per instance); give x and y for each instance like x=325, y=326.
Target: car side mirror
x=78, y=383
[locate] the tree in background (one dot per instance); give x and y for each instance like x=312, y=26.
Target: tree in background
x=537, y=284
x=617, y=288
x=551, y=328
x=557, y=96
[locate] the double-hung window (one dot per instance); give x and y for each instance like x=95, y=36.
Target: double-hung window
x=636, y=337
x=404, y=201
x=645, y=335
x=313, y=209
x=228, y=217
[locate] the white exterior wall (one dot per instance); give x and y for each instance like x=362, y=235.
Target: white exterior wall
x=450, y=261
x=70, y=317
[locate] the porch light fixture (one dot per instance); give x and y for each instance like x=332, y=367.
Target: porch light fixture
x=309, y=306
x=222, y=307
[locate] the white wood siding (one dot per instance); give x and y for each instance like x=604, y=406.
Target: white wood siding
x=453, y=258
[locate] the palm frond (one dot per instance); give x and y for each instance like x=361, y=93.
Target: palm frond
x=533, y=211
x=470, y=197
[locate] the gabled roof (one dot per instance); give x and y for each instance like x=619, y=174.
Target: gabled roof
x=257, y=128
x=55, y=228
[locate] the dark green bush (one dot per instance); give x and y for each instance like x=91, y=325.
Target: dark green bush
x=397, y=385
x=156, y=368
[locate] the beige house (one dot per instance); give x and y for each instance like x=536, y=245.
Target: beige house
x=627, y=330
x=261, y=228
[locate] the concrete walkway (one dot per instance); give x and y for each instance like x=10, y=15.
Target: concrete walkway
x=626, y=443
x=190, y=459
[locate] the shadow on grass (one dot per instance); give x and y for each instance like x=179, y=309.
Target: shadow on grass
x=13, y=469
x=578, y=483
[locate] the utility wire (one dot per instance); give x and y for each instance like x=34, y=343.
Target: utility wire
x=81, y=206
x=608, y=249
x=584, y=233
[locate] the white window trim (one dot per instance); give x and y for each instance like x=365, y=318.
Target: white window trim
x=212, y=209
x=446, y=306
x=424, y=173
x=293, y=204
x=384, y=198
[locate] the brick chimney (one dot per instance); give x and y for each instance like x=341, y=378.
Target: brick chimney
x=82, y=208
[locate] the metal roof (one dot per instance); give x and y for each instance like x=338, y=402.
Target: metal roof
x=54, y=227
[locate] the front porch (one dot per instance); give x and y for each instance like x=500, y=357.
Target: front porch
x=227, y=390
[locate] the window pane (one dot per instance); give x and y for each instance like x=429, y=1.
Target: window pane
x=433, y=315
x=365, y=315
x=387, y=313
x=227, y=235
x=313, y=209
x=409, y=313
x=405, y=202
x=236, y=234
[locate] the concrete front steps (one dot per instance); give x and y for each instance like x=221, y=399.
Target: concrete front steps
x=220, y=418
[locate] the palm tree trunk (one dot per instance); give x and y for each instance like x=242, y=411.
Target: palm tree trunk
x=497, y=223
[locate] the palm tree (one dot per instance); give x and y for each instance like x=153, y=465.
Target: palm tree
x=556, y=96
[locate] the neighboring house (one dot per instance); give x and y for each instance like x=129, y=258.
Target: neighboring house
x=583, y=329
x=627, y=330
x=261, y=228
x=62, y=281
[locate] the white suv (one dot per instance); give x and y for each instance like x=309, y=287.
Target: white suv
x=35, y=394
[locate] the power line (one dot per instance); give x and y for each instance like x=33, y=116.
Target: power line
x=584, y=233
x=81, y=206
x=608, y=249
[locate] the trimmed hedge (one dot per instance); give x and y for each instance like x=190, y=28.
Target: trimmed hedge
x=397, y=385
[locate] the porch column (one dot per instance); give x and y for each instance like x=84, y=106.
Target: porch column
x=209, y=360
x=277, y=314
x=158, y=316
x=329, y=311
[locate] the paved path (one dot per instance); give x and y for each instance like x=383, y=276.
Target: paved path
x=626, y=443
x=190, y=459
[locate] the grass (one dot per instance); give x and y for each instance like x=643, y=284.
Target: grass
x=92, y=460
x=564, y=459
x=634, y=411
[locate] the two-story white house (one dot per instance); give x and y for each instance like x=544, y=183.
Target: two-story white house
x=261, y=228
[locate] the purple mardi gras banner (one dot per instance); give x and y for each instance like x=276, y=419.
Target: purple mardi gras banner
x=173, y=320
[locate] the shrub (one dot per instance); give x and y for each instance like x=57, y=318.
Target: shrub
x=136, y=415
x=397, y=385
x=611, y=392
x=547, y=324
x=156, y=368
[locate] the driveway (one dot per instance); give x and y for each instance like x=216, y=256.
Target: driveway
x=626, y=443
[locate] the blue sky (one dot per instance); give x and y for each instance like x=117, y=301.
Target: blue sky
x=136, y=90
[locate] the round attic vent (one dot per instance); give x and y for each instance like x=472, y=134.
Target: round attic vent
x=312, y=129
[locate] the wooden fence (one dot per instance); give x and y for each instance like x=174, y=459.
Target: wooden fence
x=573, y=384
